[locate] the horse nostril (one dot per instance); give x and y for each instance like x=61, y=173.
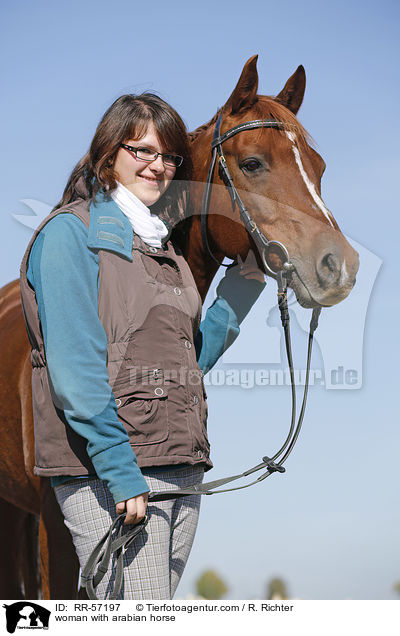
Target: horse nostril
x=331, y=262
x=328, y=270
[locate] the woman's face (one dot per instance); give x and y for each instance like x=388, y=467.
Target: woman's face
x=146, y=180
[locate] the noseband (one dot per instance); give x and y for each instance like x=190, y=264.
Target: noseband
x=115, y=540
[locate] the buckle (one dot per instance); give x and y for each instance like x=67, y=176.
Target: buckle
x=272, y=466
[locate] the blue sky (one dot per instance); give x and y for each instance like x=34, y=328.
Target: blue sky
x=330, y=525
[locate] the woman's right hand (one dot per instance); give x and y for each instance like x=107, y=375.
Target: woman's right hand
x=135, y=508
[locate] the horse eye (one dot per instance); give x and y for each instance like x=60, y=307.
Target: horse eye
x=251, y=165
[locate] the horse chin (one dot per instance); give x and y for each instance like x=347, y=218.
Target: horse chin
x=309, y=296
x=303, y=296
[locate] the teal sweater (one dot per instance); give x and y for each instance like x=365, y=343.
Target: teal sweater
x=64, y=274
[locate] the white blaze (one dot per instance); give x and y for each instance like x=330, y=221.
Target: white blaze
x=343, y=274
x=309, y=184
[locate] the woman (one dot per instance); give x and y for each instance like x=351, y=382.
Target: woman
x=113, y=317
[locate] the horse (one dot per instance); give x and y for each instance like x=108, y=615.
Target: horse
x=278, y=174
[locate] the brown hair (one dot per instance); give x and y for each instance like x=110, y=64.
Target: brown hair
x=128, y=118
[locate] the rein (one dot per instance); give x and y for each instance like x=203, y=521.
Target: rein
x=109, y=545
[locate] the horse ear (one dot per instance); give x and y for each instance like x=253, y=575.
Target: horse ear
x=245, y=92
x=292, y=94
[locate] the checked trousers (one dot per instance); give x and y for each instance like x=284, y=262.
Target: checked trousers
x=154, y=562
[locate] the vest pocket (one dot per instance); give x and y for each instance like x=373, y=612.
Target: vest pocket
x=144, y=414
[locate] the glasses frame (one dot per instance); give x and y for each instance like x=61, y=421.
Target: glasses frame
x=156, y=155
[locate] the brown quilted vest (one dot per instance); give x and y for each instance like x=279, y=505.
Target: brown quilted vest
x=150, y=309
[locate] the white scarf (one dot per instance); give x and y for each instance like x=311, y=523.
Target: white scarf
x=150, y=227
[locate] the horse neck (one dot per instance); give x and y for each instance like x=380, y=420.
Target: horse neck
x=201, y=152
x=203, y=267
x=187, y=235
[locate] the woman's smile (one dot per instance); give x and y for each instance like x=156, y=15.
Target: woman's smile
x=148, y=180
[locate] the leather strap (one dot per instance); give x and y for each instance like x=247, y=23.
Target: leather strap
x=205, y=208
x=249, y=125
x=99, y=560
x=263, y=244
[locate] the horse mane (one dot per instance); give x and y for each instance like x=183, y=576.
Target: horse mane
x=180, y=233
x=195, y=133
x=266, y=107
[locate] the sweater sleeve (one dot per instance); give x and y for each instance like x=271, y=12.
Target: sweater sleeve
x=236, y=295
x=64, y=273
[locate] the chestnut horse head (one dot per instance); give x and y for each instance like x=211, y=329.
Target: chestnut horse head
x=278, y=176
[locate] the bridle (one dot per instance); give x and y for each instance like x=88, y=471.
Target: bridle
x=262, y=243
x=114, y=541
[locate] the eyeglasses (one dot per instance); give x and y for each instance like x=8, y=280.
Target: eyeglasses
x=145, y=154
